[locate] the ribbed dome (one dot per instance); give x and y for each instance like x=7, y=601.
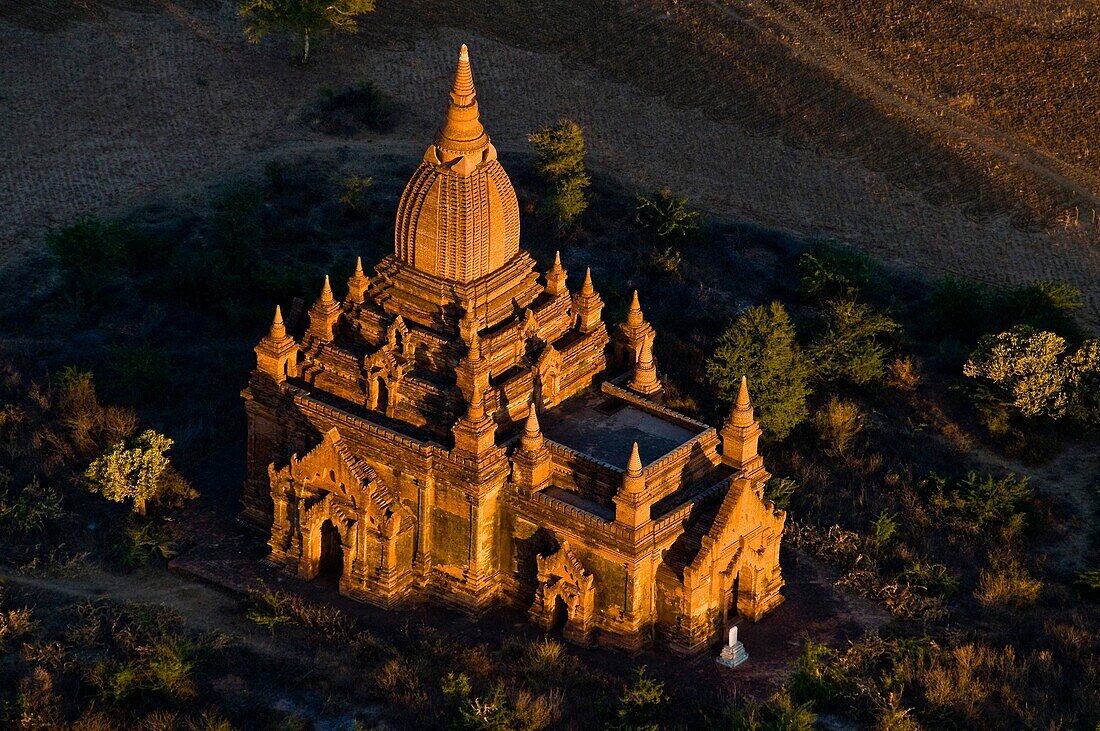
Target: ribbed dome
x=458, y=217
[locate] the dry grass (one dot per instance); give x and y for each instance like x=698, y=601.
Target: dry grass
x=1008, y=585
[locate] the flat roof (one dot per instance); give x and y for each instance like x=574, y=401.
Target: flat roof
x=605, y=428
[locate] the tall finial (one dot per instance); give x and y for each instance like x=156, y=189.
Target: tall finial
x=359, y=267
x=555, y=277
x=645, y=378
x=531, y=440
x=587, y=288
x=278, y=329
x=474, y=353
x=326, y=293
x=742, y=412
x=634, y=464
x=462, y=132
x=634, y=477
x=634, y=316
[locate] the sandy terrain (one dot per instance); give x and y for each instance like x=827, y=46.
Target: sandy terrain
x=119, y=107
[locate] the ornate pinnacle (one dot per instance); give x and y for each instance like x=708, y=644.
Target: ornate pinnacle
x=462, y=131
x=742, y=415
x=634, y=316
x=587, y=289
x=634, y=477
x=358, y=283
x=555, y=276
x=634, y=465
x=645, y=371
x=326, y=293
x=532, y=433
x=278, y=329
x=474, y=352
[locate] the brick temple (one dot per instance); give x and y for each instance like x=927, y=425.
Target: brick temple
x=465, y=429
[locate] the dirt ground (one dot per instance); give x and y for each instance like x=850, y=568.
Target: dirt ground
x=104, y=107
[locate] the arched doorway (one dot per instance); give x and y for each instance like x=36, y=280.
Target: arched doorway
x=559, y=616
x=383, y=401
x=729, y=598
x=331, y=565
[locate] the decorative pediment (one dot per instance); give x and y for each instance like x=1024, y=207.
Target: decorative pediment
x=549, y=361
x=335, y=482
x=742, y=515
x=530, y=325
x=564, y=566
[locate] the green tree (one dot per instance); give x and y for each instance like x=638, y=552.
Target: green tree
x=560, y=163
x=849, y=348
x=305, y=18
x=761, y=345
x=136, y=469
x=1024, y=364
x=667, y=217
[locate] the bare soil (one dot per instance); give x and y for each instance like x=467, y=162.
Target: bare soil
x=760, y=113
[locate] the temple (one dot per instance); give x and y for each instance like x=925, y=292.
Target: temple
x=462, y=428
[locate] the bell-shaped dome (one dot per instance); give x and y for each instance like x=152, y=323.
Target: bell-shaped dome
x=458, y=218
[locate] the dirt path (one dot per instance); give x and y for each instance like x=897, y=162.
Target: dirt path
x=203, y=608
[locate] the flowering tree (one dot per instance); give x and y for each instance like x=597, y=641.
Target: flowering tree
x=1026, y=364
x=132, y=470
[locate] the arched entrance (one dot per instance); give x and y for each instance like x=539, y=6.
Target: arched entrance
x=559, y=616
x=331, y=565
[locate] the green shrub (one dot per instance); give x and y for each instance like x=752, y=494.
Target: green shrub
x=980, y=505
x=812, y=682
x=351, y=109
x=94, y=255
x=29, y=511
x=780, y=490
x=933, y=579
x=964, y=310
x=142, y=541
x=641, y=703
x=761, y=345
x=883, y=529
x=849, y=348
x=778, y=713
x=352, y=190
x=666, y=217
x=833, y=272
x=1088, y=582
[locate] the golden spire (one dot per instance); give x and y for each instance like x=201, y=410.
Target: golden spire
x=326, y=293
x=462, y=131
x=742, y=413
x=645, y=371
x=532, y=433
x=587, y=289
x=555, y=277
x=278, y=329
x=358, y=283
x=634, y=316
x=634, y=478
